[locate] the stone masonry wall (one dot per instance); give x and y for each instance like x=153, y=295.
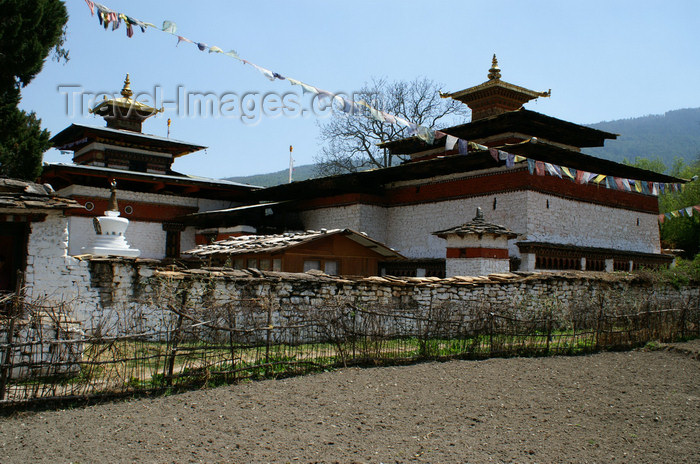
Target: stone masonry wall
x=51, y=273
x=116, y=289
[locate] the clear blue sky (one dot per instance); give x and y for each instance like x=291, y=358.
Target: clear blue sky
x=603, y=60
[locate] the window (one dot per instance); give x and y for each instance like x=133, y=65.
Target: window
x=331, y=267
x=238, y=263
x=310, y=264
x=172, y=244
x=252, y=262
x=277, y=265
x=265, y=265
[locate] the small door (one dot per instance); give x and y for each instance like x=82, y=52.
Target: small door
x=13, y=253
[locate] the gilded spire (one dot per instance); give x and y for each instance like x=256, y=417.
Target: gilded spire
x=126, y=91
x=113, y=206
x=495, y=71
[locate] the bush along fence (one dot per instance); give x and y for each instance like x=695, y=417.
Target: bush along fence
x=179, y=339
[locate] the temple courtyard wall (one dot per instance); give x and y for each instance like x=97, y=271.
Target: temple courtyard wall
x=100, y=291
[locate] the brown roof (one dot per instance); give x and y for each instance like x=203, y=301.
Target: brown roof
x=76, y=136
x=18, y=194
x=477, y=226
x=523, y=121
x=247, y=244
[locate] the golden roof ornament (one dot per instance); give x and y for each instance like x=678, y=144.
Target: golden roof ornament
x=126, y=90
x=113, y=206
x=495, y=71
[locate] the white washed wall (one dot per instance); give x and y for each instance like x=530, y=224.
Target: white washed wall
x=408, y=229
x=149, y=237
x=591, y=225
x=475, y=266
x=52, y=274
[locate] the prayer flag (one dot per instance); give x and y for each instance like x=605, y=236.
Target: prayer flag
x=510, y=160
x=568, y=173
x=450, y=143
x=169, y=27
x=531, y=166
x=232, y=54
x=539, y=168
x=552, y=170
x=494, y=153
x=462, y=147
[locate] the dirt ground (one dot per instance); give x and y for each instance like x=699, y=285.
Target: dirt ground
x=637, y=407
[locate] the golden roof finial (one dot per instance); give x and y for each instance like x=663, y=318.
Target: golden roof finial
x=495, y=71
x=126, y=90
x=113, y=206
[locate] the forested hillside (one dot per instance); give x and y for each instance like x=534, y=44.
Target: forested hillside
x=665, y=136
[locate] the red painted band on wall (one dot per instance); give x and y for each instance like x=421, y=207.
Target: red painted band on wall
x=477, y=252
x=145, y=212
x=490, y=184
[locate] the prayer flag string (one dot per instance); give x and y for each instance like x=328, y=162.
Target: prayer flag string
x=106, y=16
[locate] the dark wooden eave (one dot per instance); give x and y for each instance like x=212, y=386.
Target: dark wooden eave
x=373, y=182
x=521, y=121
x=64, y=175
x=542, y=151
x=121, y=137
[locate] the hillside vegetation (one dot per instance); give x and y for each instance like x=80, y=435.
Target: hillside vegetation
x=675, y=134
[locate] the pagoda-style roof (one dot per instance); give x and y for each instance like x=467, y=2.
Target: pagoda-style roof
x=64, y=175
x=494, y=96
x=373, y=182
x=543, y=151
x=522, y=121
x=77, y=136
x=477, y=226
x=124, y=112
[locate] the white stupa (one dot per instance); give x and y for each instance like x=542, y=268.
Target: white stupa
x=110, y=230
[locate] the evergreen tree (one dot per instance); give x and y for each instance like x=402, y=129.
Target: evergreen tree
x=29, y=31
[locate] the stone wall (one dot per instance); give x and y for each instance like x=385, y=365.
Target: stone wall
x=119, y=288
x=52, y=274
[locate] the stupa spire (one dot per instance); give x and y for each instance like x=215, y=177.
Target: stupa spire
x=494, y=72
x=126, y=90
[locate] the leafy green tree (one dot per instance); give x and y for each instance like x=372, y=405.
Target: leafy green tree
x=683, y=232
x=29, y=31
x=655, y=164
x=678, y=232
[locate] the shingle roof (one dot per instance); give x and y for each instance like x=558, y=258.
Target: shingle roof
x=19, y=194
x=275, y=243
x=477, y=226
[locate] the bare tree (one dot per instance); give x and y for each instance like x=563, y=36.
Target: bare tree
x=351, y=139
